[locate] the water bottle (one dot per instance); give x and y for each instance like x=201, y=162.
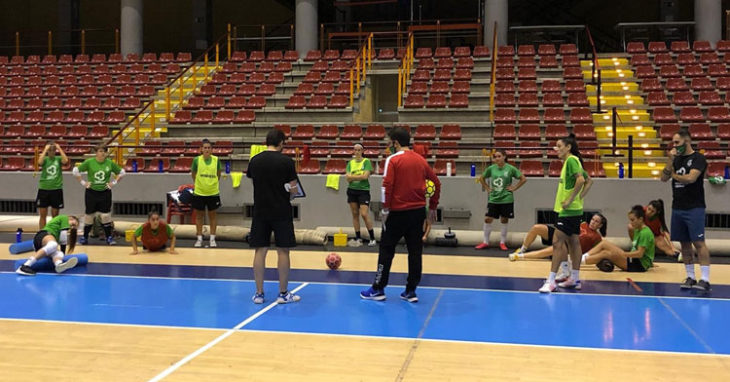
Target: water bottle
x=134, y=166
x=473, y=170
x=19, y=235
x=159, y=165
x=620, y=170
x=448, y=168
x=228, y=167
x=727, y=172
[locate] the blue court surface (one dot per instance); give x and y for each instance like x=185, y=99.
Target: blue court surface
x=656, y=323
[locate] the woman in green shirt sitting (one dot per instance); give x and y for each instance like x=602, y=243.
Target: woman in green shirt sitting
x=641, y=256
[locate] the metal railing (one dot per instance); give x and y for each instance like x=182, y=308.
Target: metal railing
x=37, y=41
x=404, y=69
x=656, y=31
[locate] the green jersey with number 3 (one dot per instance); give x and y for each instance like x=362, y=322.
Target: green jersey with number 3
x=99, y=174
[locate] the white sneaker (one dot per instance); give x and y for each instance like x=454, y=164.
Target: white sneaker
x=570, y=284
x=213, y=244
x=372, y=243
x=66, y=265
x=514, y=256
x=563, y=273
x=354, y=243
x=198, y=243
x=548, y=287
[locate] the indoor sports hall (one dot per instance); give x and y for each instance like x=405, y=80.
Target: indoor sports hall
x=124, y=122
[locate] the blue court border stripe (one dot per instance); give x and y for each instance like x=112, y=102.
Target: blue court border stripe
x=506, y=283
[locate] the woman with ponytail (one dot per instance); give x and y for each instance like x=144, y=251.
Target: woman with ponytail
x=654, y=219
x=569, y=206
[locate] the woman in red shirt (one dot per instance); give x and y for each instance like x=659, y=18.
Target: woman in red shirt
x=591, y=233
x=654, y=219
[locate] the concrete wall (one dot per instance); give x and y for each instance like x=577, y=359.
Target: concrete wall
x=327, y=207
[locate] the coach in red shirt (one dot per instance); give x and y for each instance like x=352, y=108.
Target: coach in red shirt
x=404, y=200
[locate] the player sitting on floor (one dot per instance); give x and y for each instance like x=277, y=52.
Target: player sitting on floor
x=591, y=234
x=61, y=229
x=639, y=259
x=154, y=234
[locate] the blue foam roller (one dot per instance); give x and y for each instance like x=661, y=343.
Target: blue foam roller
x=22, y=247
x=46, y=264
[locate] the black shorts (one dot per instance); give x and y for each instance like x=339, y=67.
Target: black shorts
x=38, y=239
x=361, y=197
x=201, y=202
x=569, y=225
x=506, y=210
x=98, y=201
x=549, y=240
x=261, y=228
x=634, y=265
x=52, y=198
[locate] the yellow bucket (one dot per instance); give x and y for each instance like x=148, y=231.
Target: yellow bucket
x=129, y=235
x=340, y=239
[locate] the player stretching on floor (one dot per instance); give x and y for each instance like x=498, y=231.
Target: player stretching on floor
x=60, y=230
x=590, y=235
x=639, y=259
x=497, y=181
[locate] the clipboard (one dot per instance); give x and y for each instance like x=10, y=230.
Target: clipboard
x=300, y=190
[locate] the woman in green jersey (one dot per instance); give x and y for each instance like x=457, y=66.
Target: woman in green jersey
x=50, y=186
x=51, y=241
x=358, y=194
x=98, y=197
x=641, y=256
x=497, y=181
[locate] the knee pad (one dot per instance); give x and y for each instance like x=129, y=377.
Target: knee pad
x=106, y=218
x=89, y=219
x=58, y=256
x=50, y=248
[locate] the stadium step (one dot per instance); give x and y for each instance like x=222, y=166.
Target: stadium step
x=618, y=101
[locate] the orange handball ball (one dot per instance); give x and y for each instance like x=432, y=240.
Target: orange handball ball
x=333, y=260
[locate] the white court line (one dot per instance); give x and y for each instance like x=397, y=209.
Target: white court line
x=220, y=338
x=686, y=326
x=578, y=293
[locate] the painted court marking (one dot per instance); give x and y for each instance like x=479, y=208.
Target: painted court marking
x=417, y=341
x=220, y=338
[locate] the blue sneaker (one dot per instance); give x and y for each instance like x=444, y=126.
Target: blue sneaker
x=409, y=296
x=373, y=294
x=287, y=297
x=258, y=298
x=83, y=240
x=110, y=240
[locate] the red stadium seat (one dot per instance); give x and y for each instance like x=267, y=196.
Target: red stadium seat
x=423, y=53
x=554, y=115
x=532, y=168
x=675, y=84
x=450, y=131
x=202, y=117
x=548, y=62
x=334, y=166
x=414, y=101
x=691, y=114
x=710, y=98
x=425, y=132
x=686, y=59
x=723, y=131
x=528, y=115
x=594, y=169
x=657, y=47
x=577, y=99
x=573, y=73
x=568, y=49
x=436, y=101
x=666, y=132
x=505, y=99
x=129, y=167
x=223, y=116
x=245, y=116
x=481, y=51
x=328, y=132
x=439, y=167
x=658, y=98
x=684, y=98
x=669, y=71
x=296, y=102
x=581, y=115
x=504, y=132
x=529, y=132
x=458, y=100
x=526, y=50
x=718, y=114
x=505, y=116
x=663, y=59
x=701, y=83
x=182, y=165
x=680, y=46
x=640, y=59
x=711, y=149
x=157, y=165
x=716, y=168
x=694, y=70
x=374, y=132
x=447, y=149
x=555, y=131
x=584, y=132
x=303, y=132
x=702, y=46
x=701, y=131
x=386, y=54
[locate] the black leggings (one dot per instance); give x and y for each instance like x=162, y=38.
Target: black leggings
x=408, y=224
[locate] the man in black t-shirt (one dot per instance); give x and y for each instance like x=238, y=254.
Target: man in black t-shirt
x=686, y=168
x=274, y=182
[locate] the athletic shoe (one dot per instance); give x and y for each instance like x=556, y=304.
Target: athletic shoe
x=482, y=246
x=679, y=257
x=702, y=285
x=514, y=256
x=409, y=296
x=548, y=287
x=258, y=298
x=354, y=243
x=287, y=297
x=503, y=247
x=563, y=273
x=25, y=271
x=605, y=265
x=372, y=243
x=198, y=243
x=213, y=244
x=688, y=283
x=110, y=240
x=66, y=265
x=372, y=294
x=570, y=284
x=83, y=240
